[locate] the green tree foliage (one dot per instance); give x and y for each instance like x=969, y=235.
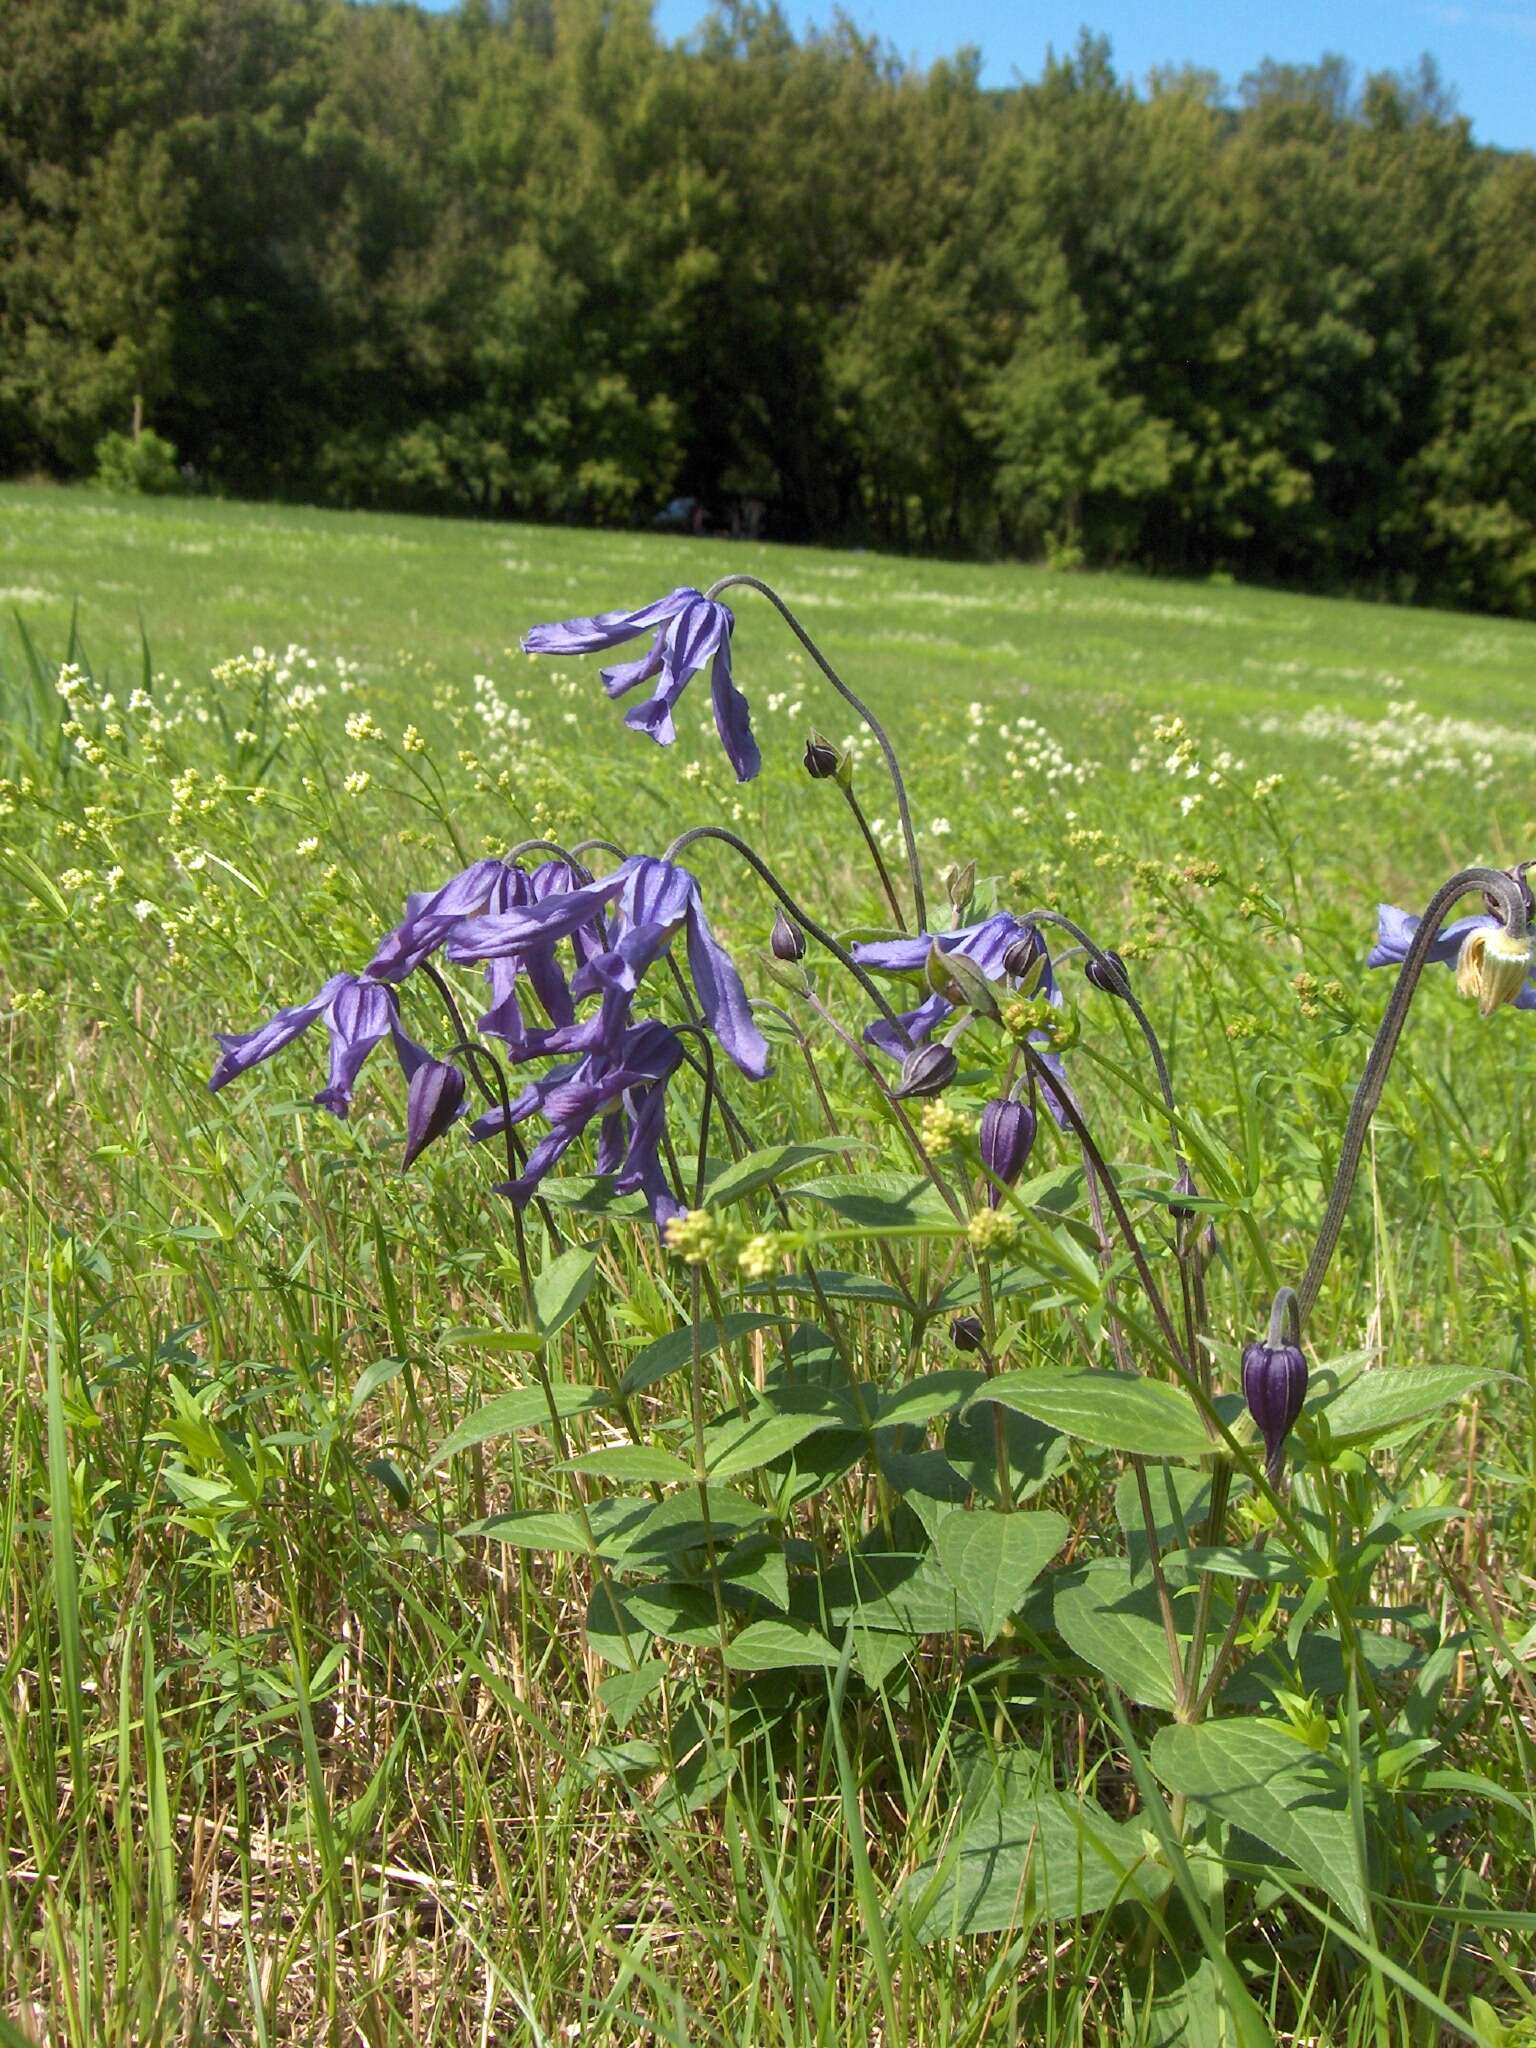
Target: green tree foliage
x=526, y=258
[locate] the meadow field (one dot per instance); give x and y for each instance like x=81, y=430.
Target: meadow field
x=362, y=1678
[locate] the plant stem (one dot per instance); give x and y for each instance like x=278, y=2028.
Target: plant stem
x=913, y=865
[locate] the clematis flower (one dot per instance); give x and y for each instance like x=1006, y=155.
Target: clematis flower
x=1394, y=935
x=689, y=630
x=628, y=1094
x=431, y=915
x=359, y=1013
x=645, y=903
x=988, y=946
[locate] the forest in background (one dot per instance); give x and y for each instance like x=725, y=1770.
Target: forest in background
x=528, y=259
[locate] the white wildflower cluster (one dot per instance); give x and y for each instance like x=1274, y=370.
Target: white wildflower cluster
x=503, y=723
x=362, y=726
x=1408, y=745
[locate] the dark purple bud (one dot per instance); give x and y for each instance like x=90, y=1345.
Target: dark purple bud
x=822, y=760
x=927, y=1071
x=1022, y=954
x=434, y=1103
x=1274, y=1386
x=966, y=1333
x=1007, y=1134
x=1108, y=975
x=788, y=941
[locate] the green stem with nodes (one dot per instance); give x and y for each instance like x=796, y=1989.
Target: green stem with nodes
x=808, y=924
x=914, y=867
x=1510, y=898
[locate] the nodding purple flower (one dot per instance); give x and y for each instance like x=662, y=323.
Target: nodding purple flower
x=1274, y=1386
x=689, y=630
x=359, y=1014
x=1001, y=946
x=432, y=915
x=626, y=1094
x=966, y=1333
x=926, y=1070
x=1007, y=1135
x=639, y=910
x=1394, y=935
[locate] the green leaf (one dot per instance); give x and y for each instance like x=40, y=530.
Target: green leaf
x=761, y=1168
x=489, y=1339
x=1117, y=1409
x=993, y=1559
x=1026, y=1853
x=641, y=1534
x=522, y=1408
x=878, y=1652
x=746, y=1442
x=1118, y=1629
x=1257, y=1776
x=1034, y=1451
x=677, y=1613
x=779, y=1646
x=641, y=1464
x=835, y=1286
x=757, y=1565
x=553, y=1530
x=905, y=1591
x=624, y=1693
x=881, y=1201
x=933, y=1393
x=561, y=1288
x=1374, y=1403
x=669, y=1354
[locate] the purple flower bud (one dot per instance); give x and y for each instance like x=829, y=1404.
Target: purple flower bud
x=1022, y=954
x=787, y=941
x=1007, y=1134
x=965, y=1333
x=434, y=1103
x=1274, y=1386
x=1108, y=975
x=822, y=760
x=926, y=1071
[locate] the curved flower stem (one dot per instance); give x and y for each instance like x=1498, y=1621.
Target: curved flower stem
x=764, y=590
x=1509, y=895
x=1149, y=1286
x=875, y=854
x=552, y=846
x=1097, y=954
x=823, y=938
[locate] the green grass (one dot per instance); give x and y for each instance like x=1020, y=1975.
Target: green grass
x=286, y=1756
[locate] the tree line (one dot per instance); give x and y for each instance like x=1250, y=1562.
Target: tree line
x=526, y=258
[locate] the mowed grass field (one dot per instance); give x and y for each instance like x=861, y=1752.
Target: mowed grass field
x=285, y=1753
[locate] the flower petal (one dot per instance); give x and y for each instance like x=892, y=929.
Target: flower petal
x=242, y=1050
x=605, y=629
x=722, y=997
x=733, y=718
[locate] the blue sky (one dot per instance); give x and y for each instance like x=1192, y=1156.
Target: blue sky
x=1487, y=52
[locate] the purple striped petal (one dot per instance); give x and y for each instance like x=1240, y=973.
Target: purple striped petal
x=594, y=635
